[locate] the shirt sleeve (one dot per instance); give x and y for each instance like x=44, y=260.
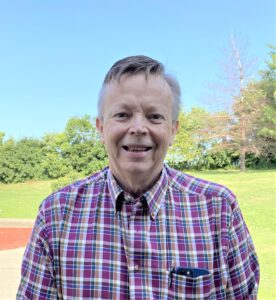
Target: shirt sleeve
x=37, y=272
x=243, y=267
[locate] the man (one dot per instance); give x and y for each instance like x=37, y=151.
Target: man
x=139, y=229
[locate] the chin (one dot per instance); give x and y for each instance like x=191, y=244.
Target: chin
x=137, y=170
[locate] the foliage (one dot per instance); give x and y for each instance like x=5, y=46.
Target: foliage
x=267, y=128
x=188, y=146
x=2, y=135
x=82, y=147
x=21, y=161
x=63, y=181
x=250, y=127
x=55, y=166
x=198, y=141
x=244, y=135
x=76, y=150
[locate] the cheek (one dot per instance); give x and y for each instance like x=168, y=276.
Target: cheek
x=163, y=139
x=113, y=135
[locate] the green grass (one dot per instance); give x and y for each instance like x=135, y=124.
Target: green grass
x=255, y=191
x=21, y=200
x=256, y=194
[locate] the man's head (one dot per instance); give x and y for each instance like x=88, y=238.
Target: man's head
x=141, y=64
x=137, y=120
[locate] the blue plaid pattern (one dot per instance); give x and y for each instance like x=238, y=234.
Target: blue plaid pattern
x=86, y=246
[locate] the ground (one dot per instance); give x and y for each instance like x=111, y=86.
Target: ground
x=15, y=233
x=12, y=238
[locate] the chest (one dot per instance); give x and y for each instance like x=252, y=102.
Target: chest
x=125, y=252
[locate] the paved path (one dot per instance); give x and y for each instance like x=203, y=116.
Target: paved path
x=23, y=223
x=10, y=265
x=10, y=261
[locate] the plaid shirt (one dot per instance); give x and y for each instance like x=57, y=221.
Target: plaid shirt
x=91, y=240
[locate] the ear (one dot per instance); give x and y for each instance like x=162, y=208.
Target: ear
x=99, y=126
x=175, y=126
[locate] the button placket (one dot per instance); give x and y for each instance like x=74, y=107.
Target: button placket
x=136, y=232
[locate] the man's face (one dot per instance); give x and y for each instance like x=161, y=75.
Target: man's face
x=137, y=126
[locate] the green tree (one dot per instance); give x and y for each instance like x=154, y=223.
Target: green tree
x=82, y=147
x=2, y=135
x=194, y=140
x=21, y=161
x=267, y=84
x=54, y=163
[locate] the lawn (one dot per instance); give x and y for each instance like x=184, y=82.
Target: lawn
x=255, y=191
x=22, y=200
x=256, y=194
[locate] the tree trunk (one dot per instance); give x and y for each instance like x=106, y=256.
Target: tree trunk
x=242, y=160
x=243, y=145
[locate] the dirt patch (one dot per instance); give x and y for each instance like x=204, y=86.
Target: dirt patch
x=12, y=238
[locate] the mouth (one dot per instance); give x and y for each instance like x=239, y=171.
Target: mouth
x=137, y=148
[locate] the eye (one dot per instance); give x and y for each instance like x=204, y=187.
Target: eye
x=156, y=118
x=121, y=115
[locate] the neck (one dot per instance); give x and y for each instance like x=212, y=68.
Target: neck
x=136, y=184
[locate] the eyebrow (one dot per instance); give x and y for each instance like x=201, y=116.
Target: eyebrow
x=149, y=108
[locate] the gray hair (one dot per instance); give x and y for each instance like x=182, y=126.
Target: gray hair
x=138, y=64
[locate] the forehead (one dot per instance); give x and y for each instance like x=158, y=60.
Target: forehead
x=138, y=87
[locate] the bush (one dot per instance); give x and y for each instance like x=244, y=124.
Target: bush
x=63, y=181
x=21, y=161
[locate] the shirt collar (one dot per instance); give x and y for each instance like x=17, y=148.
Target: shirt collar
x=114, y=188
x=155, y=196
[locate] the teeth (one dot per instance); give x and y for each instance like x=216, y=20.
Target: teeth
x=136, y=149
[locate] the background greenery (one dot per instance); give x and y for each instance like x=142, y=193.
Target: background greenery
x=255, y=190
x=244, y=135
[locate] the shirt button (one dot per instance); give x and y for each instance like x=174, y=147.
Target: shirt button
x=128, y=198
x=136, y=267
x=139, y=205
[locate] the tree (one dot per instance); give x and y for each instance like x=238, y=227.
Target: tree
x=195, y=140
x=2, y=135
x=239, y=133
x=82, y=147
x=21, y=161
x=267, y=84
x=75, y=152
x=77, y=149
x=54, y=163
x=183, y=152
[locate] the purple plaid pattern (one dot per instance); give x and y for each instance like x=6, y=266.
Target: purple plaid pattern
x=85, y=246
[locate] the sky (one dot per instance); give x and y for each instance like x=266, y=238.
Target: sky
x=54, y=54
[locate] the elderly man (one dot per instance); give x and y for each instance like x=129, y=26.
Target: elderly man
x=139, y=229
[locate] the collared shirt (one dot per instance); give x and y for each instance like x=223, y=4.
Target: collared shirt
x=92, y=240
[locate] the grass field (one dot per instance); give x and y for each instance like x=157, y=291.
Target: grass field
x=255, y=191
x=21, y=200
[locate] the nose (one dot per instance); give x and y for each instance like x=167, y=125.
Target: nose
x=138, y=126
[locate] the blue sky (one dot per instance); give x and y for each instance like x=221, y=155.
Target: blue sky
x=54, y=54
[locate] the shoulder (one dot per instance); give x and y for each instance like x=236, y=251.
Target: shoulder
x=188, y=184
x=80, y=191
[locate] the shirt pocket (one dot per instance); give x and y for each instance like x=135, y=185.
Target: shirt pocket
x=183, y=287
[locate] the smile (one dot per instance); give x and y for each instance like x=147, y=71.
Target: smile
x=136, y=148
